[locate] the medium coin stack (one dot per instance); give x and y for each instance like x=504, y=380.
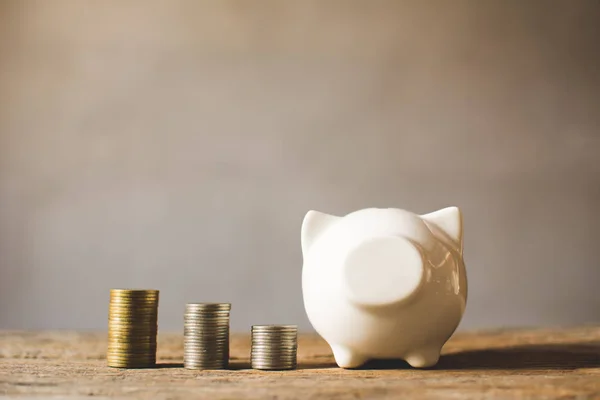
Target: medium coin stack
x=132, y=328
x=206, y=336
x=274, y=347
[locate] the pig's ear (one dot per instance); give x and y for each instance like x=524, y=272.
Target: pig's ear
x=314, y=224
x=448, y=220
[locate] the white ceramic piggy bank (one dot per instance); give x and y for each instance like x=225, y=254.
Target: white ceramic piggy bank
x=384, y=283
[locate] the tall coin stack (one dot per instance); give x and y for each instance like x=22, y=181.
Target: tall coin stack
x=274, y=347
x=132, y=328
x=206, y=335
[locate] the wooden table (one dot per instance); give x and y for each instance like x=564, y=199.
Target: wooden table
x=558, y=363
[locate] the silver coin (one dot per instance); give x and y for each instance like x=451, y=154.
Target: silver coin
x=205, y=357
x=205, y=360
x=206, y=324
x=204, y=327
x=205, y=334
x=278, y=335
x=198, y=349
x=274, y=344
x=275, y=333
x=273, y=357
x=213, y=343
x=205, y=363
x=206, y=321
x=273, y=354
x=216, y=340
x=274, y=366
x=270, y=363
x=200, y=327
x=205, y=311
x=273, y=362
x=267, y=340
x=205, y=350
x=272, y=328
x=208, y=305
x=273, y=351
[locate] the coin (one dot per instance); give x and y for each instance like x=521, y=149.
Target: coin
x=134, y=292
x=132, y=328
x=206, y=335
x=274, y=347
x=275, y=327
x=208, y=306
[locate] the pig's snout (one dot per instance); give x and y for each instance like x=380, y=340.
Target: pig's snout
x=382, y=271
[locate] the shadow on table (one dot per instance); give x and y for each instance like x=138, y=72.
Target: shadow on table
x=169, y=365
x=555, y=356
x=563, y=357
x=236, y=365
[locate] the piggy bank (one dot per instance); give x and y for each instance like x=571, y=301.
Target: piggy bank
x=384, y=283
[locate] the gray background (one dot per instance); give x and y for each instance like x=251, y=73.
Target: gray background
x=177, y=145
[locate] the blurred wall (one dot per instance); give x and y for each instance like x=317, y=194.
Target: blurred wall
x=178, y=144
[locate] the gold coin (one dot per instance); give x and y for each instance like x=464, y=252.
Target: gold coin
x=131, y=351
x=130, y=357
x=124, y=302
x=130, y=323
x=133, y=330
x=133, y=325
x=146, y=343
x=117, y=338
x=119, y=341
x=141, y=308
x=133, y=300
x=133, y=303
x=132, y=314
x=139, y=335
x=127, y=357
x=134, y=292
x=128, y=361
x=127, y=365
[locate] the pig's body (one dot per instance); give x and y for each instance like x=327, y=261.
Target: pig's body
x=384, y=283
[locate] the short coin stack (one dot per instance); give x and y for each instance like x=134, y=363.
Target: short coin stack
x=132, y=328
x=274, y=347
x=206, y=335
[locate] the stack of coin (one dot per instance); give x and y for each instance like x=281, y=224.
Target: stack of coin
x=206, y=336
x=274, y=347
x=132, y=328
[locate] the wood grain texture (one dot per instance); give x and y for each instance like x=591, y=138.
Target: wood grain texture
x=557, y=363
